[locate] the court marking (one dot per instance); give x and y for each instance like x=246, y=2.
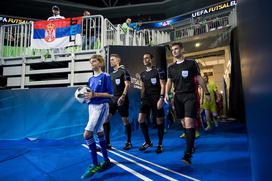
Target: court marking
x=137, y=174
x=154, y=164
x=143, y=166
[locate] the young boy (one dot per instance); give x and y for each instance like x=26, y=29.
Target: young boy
x=101, y=88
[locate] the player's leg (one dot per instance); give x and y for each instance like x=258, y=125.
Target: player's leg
x=106, y=125
x=127, y=125
x=107, y=128
x=214, y=113
x=100, y=133
x=123, y=111
x=102, y=142
x=190, y=139
x=189, y=121
x=179, y=110
x=208, y=119
x=160, y=127
x=144, y=110
x=88, y=136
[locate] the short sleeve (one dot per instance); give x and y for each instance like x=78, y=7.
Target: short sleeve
x=109, y=85
x=196, y=70
x=142, y=78
x=127, y=76
x=169, y=71
x=161, y=73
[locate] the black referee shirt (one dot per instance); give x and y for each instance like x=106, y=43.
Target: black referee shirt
x=151, y=80
x=118, y=78
x=182, y=75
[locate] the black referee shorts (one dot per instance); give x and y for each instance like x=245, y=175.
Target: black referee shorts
x=122, y=110
x=185, y=105
x=150, y=103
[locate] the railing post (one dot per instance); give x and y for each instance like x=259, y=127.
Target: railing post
x=23, y=71
x=127, y=37
x=140, y=43
x=153, y=36
x=118, y=37
x=103, y=33
x=2, y=42
x=134, y=38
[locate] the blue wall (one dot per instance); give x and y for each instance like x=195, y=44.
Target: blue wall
x=255, y=28
x=50, y=113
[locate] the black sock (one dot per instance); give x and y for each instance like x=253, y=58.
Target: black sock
x=190, y=140
x=145, y=132
x=160, y=132
x=107, y=128
x=128, y=131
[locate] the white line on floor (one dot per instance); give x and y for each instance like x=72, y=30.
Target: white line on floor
x=186, y=176
x=137, y=174
x=143, y=166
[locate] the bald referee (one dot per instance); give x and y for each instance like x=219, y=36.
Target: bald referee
x=182, y=74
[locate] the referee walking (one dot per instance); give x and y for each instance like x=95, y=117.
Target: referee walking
x=119, y=102
x=182, y=74
x=152, y=94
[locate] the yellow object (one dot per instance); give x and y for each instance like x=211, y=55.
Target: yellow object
x=211, y=106
x=197, y=134
x=183, y=135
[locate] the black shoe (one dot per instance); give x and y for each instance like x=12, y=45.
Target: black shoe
x=98, y=149
x=159, y=149
x=105, y=164
x=127, y=146
x=145, y=146
x=108, y=146
x=187, y=158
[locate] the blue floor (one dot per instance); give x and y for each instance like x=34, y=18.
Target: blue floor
x=221, y=154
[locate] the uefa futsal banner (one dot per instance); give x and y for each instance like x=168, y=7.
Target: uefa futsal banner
x=56, y=34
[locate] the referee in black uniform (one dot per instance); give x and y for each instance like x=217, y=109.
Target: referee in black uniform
x=182, y=74
x=121, y=82
x=152, y=94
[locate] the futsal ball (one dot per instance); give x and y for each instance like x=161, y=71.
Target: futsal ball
x=79, y=94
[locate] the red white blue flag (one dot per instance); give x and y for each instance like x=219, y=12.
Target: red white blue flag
x=56, y=34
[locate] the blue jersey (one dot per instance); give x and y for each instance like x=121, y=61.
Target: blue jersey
x=134, y=26
x=101, y=84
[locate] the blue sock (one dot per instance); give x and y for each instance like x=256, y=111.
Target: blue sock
x=92, y=148
x=104, y=151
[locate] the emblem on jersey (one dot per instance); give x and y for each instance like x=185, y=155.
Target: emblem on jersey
x=99, y=82
x=50, y=32
x=117, y=81
x=185, y=73
x=154, y=81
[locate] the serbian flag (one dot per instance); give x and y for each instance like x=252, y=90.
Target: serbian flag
x=56, y=34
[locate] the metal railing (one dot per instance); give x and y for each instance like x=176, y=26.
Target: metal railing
x=96, y=33
x=204, y=27
x=92, y=32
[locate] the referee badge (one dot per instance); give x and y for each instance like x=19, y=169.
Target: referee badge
x=117, y=81
x=154, y=81
x=185, y=73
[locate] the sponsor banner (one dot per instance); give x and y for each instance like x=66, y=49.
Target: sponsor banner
x=11, y=20
x=214, y=8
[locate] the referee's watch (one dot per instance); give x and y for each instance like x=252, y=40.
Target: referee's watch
x=162, y=97
x=207, y=94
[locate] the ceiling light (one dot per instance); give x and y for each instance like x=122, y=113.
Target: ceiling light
x=197, y=45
